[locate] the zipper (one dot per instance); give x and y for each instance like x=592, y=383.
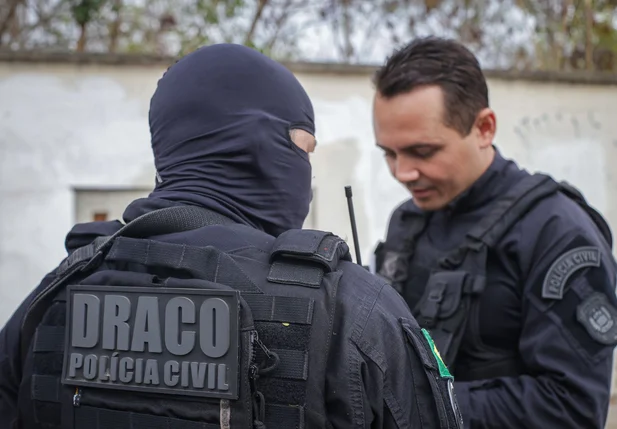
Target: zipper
x=253, y=368
x=252, y=338
x=253, y=372
x=258, y=400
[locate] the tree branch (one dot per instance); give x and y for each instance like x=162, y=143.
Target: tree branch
x=256, y=18
x=4, y=25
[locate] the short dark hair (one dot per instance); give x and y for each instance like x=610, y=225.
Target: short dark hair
x=442, y=62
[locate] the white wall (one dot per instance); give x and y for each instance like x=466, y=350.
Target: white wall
x=66, y=126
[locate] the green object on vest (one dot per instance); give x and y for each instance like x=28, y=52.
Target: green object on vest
x=443, y=369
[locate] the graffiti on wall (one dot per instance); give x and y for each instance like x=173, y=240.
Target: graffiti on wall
x=572, y=146
x=571, y=125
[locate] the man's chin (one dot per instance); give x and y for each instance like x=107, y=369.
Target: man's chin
x=429, y=204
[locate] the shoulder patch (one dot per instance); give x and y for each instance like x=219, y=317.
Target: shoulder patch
x=560, y=271
x=599, y=318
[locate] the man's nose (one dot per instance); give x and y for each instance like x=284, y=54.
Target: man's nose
x=405, y=170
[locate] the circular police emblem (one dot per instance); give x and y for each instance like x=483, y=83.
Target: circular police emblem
x=458, y=416
x=394, y=267
x=599, y=318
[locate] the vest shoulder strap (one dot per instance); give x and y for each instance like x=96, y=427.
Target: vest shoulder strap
x=506, y=212
x=302, y=256
x=575, y=195
x=520, y=199
x=512, y=206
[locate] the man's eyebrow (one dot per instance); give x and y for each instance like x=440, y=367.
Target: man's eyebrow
x=413, y=146
x=422, y=145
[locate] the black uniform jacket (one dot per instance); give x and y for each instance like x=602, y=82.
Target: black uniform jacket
x=564, y=344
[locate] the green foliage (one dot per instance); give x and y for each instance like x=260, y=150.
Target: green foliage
x=578, y=30
x=84, y=11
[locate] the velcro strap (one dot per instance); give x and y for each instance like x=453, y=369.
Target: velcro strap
x=285, y=309
x=283, y=416
x=322, y=247
x=91, y=417
x=293, y=363
x=296, y=273
x=49, y=339
x=46, y=388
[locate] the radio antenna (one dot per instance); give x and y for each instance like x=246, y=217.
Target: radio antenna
x=352, y=218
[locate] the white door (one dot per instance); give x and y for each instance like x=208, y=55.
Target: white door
x=104, y=204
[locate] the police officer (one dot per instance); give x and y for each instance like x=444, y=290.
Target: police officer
x=510, y=272
x=210, y=307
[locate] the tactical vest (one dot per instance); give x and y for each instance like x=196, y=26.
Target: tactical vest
x=115, y=342
x=443, y=288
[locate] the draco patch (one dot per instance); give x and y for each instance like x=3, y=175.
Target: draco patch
x=174, y=341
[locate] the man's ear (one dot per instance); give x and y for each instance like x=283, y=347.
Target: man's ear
x=486, y=125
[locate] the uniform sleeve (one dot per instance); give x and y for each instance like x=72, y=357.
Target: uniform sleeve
x=383, y=378
x=569, y=330
x=10, y=365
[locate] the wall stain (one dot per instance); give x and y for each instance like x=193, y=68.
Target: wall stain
x=576, y=125
x=571, y=145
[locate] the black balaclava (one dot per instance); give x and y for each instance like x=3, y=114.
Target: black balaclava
x=220, y=121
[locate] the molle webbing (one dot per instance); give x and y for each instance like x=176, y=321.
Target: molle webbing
x=301, y=258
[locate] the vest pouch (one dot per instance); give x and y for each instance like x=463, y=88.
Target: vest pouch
x=107, y=409
x=444, y=309
x=113, y=409
x=392, y=264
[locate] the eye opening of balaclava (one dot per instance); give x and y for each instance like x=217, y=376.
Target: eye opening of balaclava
x=302, y=140
x=220, y=121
